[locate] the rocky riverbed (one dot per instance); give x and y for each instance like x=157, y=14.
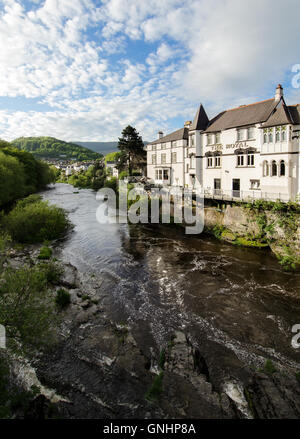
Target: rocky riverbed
x=102, y=368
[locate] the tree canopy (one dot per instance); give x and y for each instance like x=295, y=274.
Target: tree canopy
x=49, y=147
x=21, y=174
x=131, y=146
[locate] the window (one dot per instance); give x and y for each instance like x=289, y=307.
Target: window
x=210, y=139
x=174, y=157
x=282, y=168
x=209, y=162
x=270, y=135
x=153, y=147
x=254, y=184
x=166, y=174
x=250, y=133
x=163, y=159
x=163, y=146
x=277, y=134
x=193, y=140
x=174, y=144
x=240, y=134
x=265, y=168
x=240, y=160
x=274, y=168
x=218, y=137
x=217, y=183
x=158, y=174
x=283, y=134
x=187, y=167
x=217, y=161
x=153, y=159
x=250, y=160
x=265, y=136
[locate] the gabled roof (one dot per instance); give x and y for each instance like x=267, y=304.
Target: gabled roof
x=244, y=115
x=201, y=120
x=281, y=116
x=294, y=111
x=176, y=135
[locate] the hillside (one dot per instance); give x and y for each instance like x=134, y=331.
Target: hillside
x=51, y=148
x=100, y=147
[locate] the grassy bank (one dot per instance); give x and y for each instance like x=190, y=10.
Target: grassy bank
x=29, y=305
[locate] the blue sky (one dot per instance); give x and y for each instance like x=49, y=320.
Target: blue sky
x=84, y=69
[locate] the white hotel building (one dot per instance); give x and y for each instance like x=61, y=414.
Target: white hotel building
x=247, y=152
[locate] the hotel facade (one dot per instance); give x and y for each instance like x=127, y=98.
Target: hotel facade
x=248, y=152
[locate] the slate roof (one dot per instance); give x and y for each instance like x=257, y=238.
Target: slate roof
x=244, y=115
x=281, y=116
x=176, y=135
x=201, y=120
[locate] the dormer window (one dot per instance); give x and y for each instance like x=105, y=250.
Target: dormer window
x=210, y=139
x=250, y=133
x=240, y=135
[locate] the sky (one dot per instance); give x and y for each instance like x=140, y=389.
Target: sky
x=82, y=70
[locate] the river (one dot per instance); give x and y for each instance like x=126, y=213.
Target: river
x=236, y=299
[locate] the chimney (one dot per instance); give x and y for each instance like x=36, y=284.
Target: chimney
x=279, y=92
x=187, y=123
x=160, y=134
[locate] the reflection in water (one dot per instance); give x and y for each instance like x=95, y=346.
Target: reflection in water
x=164, y=280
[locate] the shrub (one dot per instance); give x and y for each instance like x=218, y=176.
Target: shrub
x=63, y=298
x=36, y=221
x=156, y=388
x=52, y=272
x=269, y=367
x=122, y=175
x=45, y=253
x=26, y=306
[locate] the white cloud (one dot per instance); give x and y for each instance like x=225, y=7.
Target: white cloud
x=221, y=53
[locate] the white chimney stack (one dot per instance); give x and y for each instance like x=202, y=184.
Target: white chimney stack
x=279, y=92
x=160, y=134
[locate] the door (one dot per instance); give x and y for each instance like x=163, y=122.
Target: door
x=236, y=187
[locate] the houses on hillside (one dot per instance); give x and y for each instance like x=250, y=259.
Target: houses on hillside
x=251, y=151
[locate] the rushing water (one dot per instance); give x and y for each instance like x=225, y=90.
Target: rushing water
x=162, y=280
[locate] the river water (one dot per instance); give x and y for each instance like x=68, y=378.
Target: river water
x=161, y=280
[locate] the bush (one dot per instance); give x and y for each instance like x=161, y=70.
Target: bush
x=26, y=306
x=52, y=272
x=156, y=388
x=269, y=367
x=122, y=175
x=112, y=184
x=33, y=222
x=45, y=253
x=63, y=298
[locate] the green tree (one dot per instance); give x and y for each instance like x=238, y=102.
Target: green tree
x=131, y=146
x=12, y=179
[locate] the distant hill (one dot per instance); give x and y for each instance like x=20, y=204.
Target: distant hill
x=51, y=148
x=100, y=147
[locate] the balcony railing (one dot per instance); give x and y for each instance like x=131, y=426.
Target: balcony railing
x=239, y=195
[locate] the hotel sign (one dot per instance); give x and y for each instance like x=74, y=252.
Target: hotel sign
x=238, y=145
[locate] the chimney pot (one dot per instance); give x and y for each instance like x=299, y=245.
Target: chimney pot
x=279, y=92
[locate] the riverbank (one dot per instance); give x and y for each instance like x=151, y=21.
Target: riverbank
x=161, y=324
x=259, y=225
x=102, y=368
